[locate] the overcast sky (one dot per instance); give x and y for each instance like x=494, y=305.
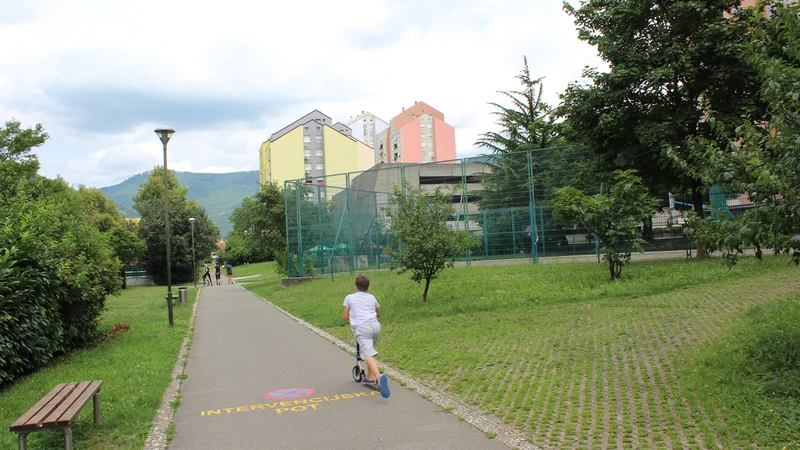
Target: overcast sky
x=102, y=75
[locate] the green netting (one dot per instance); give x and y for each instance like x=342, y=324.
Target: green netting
x=338, y=223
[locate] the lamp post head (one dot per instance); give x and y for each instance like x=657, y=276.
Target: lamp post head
x=191, y=219
x=164, y=134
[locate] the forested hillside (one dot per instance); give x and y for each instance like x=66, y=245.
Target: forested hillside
x=218, y=193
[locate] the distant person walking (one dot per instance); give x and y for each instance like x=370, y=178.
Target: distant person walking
x=206, y=274
x=229, y=269
x=217, y=274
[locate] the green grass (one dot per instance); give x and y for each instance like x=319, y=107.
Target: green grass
x=753, y=376
x=135, y=367
x=264, y=269
x=558, y=353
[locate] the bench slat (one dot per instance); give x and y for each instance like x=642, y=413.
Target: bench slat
x=40, y=418
x=69, y=414
x=52, y=418
x=22, y=421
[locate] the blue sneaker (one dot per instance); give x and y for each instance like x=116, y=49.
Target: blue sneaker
x=384, y=386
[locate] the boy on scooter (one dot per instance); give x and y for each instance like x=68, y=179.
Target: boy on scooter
x=362, y=310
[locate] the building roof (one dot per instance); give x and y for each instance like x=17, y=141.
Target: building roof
x=313, y=115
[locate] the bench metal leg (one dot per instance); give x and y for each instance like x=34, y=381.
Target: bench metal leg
x=68, y=438
x=23, y=441
x=96, y=401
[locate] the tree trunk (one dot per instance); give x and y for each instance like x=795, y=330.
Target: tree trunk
x=425, y=294
x=697, y=200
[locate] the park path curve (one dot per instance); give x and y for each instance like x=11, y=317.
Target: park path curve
x=258, y=379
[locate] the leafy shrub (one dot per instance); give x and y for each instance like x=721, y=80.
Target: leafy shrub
x=30, y=326
x=281, y=269
x=55, y=274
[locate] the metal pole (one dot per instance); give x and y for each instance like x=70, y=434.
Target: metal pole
x=166, y=219
x=349, y=223
x=297, y=194
x=485, y=236
x=194, y=259
x=532, y=208
x=286, y=213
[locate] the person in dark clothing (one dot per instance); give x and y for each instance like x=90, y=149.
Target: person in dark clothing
x=217, y=272
x=229, y=269
x=206, y=274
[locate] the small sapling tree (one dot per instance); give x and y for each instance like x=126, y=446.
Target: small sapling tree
x=424, y=243
x=612, y=217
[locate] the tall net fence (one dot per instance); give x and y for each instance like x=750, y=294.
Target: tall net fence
x=338, y=223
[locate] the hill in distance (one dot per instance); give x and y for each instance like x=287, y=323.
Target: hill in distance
x=218, y=193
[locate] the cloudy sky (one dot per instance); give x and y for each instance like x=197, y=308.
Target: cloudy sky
x=102, y=75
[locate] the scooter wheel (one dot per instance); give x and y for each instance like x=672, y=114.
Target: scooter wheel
x=357, y=373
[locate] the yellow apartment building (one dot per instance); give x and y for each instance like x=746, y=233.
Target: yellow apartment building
x=310, y=148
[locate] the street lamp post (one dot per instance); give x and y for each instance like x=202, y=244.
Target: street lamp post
x=164, y=134
x=194, y=270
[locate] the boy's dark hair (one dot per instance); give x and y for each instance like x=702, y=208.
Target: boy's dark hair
x=362, y=283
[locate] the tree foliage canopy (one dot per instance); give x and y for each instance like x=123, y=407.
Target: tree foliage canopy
x=149, y=202
x=57, y=261
x=765, y=162
x=259, y=227
x=669, y=62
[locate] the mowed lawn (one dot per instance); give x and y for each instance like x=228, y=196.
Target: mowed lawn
x=565, y=357
x=135, y=366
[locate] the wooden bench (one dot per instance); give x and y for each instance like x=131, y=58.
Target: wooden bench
x=58, y=409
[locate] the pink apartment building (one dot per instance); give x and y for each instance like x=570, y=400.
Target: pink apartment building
x=417, y=135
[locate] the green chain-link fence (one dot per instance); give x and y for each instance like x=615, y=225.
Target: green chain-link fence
x=338, y=223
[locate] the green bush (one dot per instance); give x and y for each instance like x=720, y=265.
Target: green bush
x=55, y=274
x=31, y=332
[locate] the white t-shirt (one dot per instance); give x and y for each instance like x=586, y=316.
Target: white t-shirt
x=362, y=308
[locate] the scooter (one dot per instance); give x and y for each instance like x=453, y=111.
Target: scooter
x=358, y=370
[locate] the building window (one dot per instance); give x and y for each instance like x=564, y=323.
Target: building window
x=320, y=166
x=423, y=144
x=317, y=139
x=306, y=138
x=307, y=153
x=308, y=167
x=319, y=153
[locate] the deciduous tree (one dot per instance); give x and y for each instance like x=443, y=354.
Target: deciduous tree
x=612, y=217
x=765, y=161
x=424, y=243
x=149, y=202
x=669, y=62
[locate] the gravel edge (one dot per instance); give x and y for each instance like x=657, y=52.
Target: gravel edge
x=478, y=420
x=157, y=439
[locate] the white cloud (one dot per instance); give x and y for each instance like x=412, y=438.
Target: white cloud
x=102, y=75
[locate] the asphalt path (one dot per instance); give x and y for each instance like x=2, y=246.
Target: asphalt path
x=256, y=379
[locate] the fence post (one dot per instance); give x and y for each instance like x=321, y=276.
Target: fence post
x=286, y=210
x=300, y=271
x=596, y=240
x=321, y=253
x=513, y=234
x=349, y=222
x=531, y=208
x=485, y=236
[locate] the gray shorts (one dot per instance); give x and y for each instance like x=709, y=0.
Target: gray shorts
x=367, y=335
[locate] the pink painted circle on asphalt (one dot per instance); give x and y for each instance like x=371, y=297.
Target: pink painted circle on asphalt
x=288, y=394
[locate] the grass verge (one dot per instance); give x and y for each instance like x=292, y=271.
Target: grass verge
x=135, y=367
x=558, y=353
x=752, y=376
